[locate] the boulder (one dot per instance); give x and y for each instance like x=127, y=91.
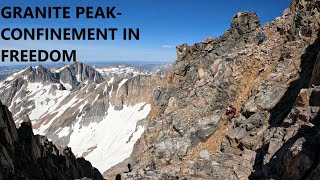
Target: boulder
x=245, y=22
x=201, y=72
x=204, y=155
x=181, y=68
x=274, y=145
x=303, y=98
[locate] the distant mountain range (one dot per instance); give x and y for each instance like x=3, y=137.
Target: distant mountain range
x=144, y=67
x=95, y=110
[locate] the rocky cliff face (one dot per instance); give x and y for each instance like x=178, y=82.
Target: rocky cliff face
x=77, y=73
x=24, y=155
x=272, y=85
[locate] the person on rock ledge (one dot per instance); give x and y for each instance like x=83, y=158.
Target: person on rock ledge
x=230, y=113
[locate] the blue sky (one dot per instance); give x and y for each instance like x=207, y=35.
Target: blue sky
x=163, y=25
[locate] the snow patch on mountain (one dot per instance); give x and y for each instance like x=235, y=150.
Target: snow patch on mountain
x=58, y=70
x=15, y=75
x=111, y=140
x=111, y=81
x=121, y=83
x=66, y=85
x=43, y=99
x=64, y=132
x=121, y=69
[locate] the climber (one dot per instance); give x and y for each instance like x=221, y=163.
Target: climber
x=231, y=113
x=130, y=168
x=262, y=37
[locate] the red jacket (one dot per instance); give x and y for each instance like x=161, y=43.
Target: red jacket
x=231, y=113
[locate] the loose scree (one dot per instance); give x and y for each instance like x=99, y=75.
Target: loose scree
x=65, y=34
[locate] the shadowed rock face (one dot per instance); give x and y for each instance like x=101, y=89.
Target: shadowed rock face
x=24, y=155
x=316, y=72
x=275, y=132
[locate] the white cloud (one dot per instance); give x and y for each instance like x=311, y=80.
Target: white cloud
x=168, y=46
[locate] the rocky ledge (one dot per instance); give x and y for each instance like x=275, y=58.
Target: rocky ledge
x=24, y=155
